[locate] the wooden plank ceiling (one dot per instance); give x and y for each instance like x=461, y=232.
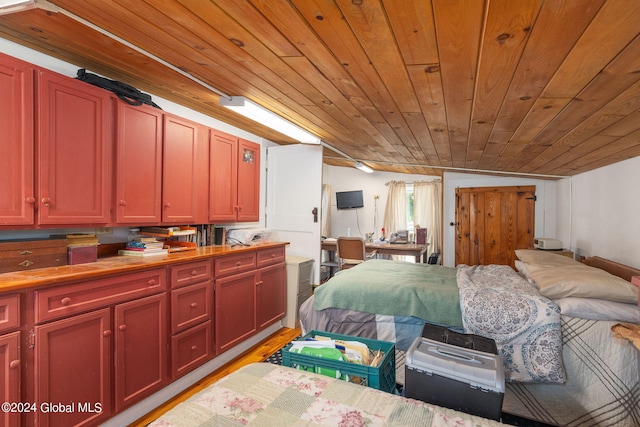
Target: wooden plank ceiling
x=419, y=86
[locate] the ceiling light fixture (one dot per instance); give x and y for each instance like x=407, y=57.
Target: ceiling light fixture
x=12, y=6
x=257, y=113
x=361, y=166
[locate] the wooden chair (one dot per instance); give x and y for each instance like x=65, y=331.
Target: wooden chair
x=350, y=251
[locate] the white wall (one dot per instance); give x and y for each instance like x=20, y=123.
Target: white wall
x=361, y=221
x=605, y=212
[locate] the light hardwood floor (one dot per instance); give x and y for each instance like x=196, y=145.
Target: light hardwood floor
x=258, y=353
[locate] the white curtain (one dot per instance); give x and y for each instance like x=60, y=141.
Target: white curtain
x=395, y=213
x=427, y=200
x=326, y=211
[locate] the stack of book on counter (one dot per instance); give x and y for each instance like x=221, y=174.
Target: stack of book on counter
x=144, y=246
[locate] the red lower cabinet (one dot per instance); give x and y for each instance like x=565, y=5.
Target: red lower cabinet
x=140, y=348
x=10, y=376
x=73, y=370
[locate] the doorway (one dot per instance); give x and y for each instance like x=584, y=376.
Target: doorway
x=492, y=222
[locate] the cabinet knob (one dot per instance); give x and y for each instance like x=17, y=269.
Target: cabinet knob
x=31, y=200
x=167, y=205
x=26, y=263
x=259, y=283
x=122, y=328
x=193, y=305
x=46, y=201
x=238, y=264
x=151, y=282
x=123, y=203
x=14, y=364
x=106, y=333
x=65, y=301
x=194, y=347
x=194, y=272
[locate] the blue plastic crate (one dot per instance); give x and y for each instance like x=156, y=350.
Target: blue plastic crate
x=381, y=377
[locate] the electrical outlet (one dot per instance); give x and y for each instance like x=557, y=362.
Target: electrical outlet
x=104, y=230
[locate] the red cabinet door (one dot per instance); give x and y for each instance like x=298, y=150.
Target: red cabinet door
x=138, y=164
x=141, y=363
x=271, y=294
x=184, y=171
x=223, y=176
x=73, y=364
x=74, y=151
x=235, y=309
x=248, y=181
x=17, y=196
x=10, y=376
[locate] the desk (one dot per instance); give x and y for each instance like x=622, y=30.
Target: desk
x=417, y=250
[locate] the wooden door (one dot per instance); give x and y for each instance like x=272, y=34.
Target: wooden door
x=271, y=294
x=223, y=176
x=235, y=309
x=138, y=165
x=73, y=364
x=141, y=349
x=184, y=171
x=74, y=151
x=10, y=376
x=492, y=222
x=248, y=181
x=17, y=193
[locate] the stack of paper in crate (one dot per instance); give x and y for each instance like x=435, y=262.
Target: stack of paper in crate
x=144, y=246
x=82, y=248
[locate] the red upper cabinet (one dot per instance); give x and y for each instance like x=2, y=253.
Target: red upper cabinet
x=17, y=193
x=184, y=179
x=74, y=151
x=234, y=179
x=138, y=164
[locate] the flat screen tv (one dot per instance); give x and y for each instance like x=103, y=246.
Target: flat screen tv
x=349, y=199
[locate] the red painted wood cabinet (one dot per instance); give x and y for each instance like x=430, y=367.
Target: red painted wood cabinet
x=74, y=151
x=192, y=340
x=138, y=164
x=17, y=192
x=102, y=343
x=234, y=178
x=10, y=362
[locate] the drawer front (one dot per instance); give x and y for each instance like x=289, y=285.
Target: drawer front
x=193, y=272
x=190, y=349
x=191, y=305
x=233, y=264
x=28, y=258
x=9, y=312
x=53, y=303
x=270, y=256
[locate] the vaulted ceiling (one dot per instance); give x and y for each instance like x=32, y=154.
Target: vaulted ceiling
x=546, y=87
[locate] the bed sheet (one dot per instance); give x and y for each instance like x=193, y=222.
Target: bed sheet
x=263, y=394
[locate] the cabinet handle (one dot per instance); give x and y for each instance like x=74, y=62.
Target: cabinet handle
x=26, y=252
x=194, y=272
x=106, y=333
x=122, y=328
x=65, y=301
x=194, y=347
x=260, y=283
x=31, y=200
x=123, y=203
x=151, y=282
x=26, y=263
x=46, y=201
x=193, y=305
x=238, y=264
x=167, y=205
x=14, y=364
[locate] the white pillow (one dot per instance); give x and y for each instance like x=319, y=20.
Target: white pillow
x=548, y=258
x=598, y=309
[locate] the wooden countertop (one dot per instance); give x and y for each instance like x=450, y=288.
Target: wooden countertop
x=18, y=280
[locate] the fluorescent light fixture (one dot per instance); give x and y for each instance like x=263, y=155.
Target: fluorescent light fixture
x=12, y=6
x=362, y=167
x=257, y=113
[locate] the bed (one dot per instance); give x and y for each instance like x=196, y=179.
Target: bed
x=591, y=377
x=264, y=394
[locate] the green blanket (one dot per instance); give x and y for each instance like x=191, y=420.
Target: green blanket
x=395, y=288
